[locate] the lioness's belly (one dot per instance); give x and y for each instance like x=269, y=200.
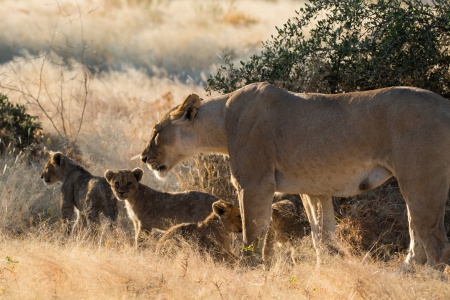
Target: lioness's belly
x=346, y=183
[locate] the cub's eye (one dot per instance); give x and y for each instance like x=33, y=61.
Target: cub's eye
x=239, y=217
x=128, y=183
x=116, y=184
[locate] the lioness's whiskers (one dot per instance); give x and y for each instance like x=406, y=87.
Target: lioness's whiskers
x=135, y=157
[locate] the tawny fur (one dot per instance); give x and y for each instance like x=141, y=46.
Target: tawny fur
x=213, y=235
x=82, y=193
x=320, y=146
x=148, y=208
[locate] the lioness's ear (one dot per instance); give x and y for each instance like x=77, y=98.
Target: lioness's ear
x=109, y=175
x=188, y=109
x=220, y=207
x=138, y=173
x=57, y=158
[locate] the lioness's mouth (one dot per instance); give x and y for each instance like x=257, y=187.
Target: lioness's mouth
x=161, y=168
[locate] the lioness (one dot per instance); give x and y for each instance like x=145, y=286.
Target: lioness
x=148, y=208
x=211, y=235
x=287, y=225
x=81, y=192
x=321, y=146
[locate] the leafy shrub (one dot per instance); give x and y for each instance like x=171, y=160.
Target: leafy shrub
x=17, y=128
x=351, y=45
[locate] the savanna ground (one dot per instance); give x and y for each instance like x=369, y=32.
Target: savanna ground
x=98, y=74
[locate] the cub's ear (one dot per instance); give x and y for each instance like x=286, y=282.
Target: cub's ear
x=221, y=207
x=187, y=111
x=57, y=158
x=138, y=173
x=109, y=175
x=48, y=153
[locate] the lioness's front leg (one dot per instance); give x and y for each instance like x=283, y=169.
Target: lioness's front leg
x=320, y=213
x=255, y=204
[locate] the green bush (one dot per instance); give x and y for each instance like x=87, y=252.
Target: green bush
x=17, y=128
x=337, y=46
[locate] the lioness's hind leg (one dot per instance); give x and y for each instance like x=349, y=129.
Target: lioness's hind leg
x=426, y=209
x=322, y=220
x=416, y=252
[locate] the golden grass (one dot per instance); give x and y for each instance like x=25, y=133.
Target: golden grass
x=36, y=268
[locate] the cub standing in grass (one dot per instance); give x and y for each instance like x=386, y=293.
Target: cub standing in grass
x=81, y=192
x=148, y=208
x=213, y=235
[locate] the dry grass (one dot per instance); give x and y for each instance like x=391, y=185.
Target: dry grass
x=114, y=67
x=35, y=267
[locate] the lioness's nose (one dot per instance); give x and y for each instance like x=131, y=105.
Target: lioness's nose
x=42, y=175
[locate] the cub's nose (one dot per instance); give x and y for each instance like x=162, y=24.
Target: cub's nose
x=144, y=158
x=42, y=175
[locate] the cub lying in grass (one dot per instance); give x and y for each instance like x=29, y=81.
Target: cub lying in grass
x=148, y=208
x=213, y=235
x=81, y=192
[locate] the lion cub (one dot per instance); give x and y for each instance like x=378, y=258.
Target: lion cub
x=148, y=208
x=81, y=192
x=211, y=235
x=288, y=224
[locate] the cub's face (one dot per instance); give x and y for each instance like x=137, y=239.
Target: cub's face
x=281, y=211
x=173, y=138
x=52, y=169
x=229, y=214
x=124, y=183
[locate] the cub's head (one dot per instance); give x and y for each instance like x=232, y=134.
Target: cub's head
x=124, y=183
x=229, y=214
x=287, y=222
x=53, y=168
x=282, y=212
x=173, y=138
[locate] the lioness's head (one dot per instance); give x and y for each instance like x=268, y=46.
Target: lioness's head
x=124, y=183
x=229, y=214
x=172, y=140
x=53, y=168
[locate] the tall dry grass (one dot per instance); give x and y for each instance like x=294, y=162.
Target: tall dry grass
x=99, y=74
x=39, y=268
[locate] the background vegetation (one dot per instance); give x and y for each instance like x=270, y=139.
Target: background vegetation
x=98, y=74
x=342, y=46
